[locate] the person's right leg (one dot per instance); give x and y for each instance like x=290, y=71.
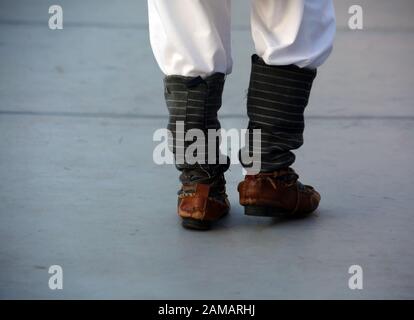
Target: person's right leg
x=191, y=43
x=292, y=38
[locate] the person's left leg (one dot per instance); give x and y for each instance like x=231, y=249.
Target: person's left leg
x=191, y=38
x=292, y=38
x=191, y=43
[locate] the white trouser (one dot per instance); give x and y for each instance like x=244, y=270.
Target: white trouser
x=192, y=37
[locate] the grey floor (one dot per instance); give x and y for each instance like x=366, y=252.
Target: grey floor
x=79, y=188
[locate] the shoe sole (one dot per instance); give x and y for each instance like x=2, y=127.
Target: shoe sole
x=200, y=225
x=262, y=211
x=194, y=224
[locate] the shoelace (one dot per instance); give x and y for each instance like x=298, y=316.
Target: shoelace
x=292, y=177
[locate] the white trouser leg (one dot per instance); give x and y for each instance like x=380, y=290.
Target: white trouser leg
x=191, y=37
x=299, y=32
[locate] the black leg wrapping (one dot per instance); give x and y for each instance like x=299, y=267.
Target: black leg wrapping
x=195, y=102
x=276, y=101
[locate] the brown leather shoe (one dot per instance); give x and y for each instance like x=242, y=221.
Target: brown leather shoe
x=277, y=194
x=198, y=207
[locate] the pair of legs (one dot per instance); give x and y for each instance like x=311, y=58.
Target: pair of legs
x=191, y=43
x=193, y=38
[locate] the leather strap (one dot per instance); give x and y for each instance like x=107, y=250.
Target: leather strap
x=202, y=191
x=298, y=200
